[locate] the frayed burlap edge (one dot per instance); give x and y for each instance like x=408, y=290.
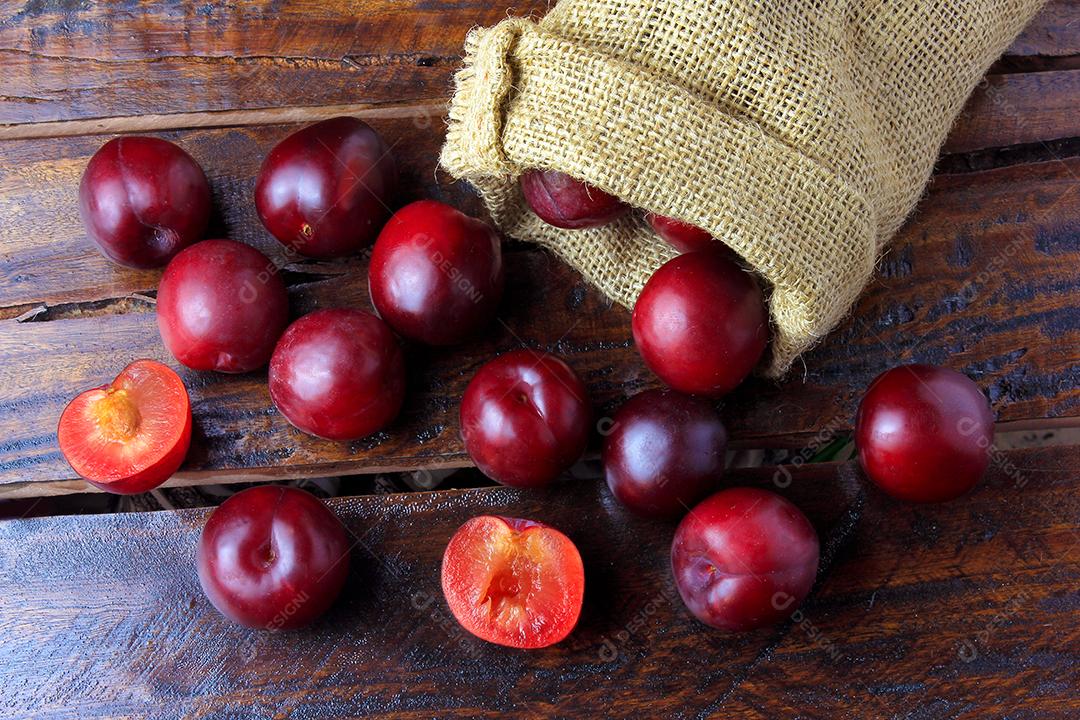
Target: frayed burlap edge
x=528, y=98
x=659, y=148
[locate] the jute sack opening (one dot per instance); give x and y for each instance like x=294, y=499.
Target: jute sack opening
x=799, y=133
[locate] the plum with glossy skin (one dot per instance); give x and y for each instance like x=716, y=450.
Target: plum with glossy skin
x=744, y=558
x=221, y=306
x=664, y=453
x=436, y=274
x=700, y=323
x=131, y=435
x=525, y=418
x=513, y=582
x=325, y=190
x=567, y=203
x=338, y=374
x=142, y=200
x=682, y=236
x=273, y=557
x=924, y=433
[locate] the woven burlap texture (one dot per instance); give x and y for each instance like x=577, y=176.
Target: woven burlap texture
x=800, y=133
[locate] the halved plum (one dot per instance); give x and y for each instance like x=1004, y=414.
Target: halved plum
x=513, y=582
x=131, y=435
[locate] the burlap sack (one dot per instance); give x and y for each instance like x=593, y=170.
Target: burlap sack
x=800, y=133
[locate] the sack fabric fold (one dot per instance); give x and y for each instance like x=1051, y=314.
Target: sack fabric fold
x=801, y=134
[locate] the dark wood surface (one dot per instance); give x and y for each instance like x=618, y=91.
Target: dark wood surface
x=964, y=610
x=961, y=610
x=67, y=60
x=70, y=60
x=983, y=278
x=1018, y=108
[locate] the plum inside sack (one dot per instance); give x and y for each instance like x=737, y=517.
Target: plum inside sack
x=689, y=110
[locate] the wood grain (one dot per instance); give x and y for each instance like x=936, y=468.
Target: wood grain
x=1052, y=33
x=66, y=60
x=158, y=122
x=1018, y=109
x=982, y=279
x=962, y=610
x=45, y=256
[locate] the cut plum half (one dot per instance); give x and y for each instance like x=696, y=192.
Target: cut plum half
x=131, y=435
x=513, y=582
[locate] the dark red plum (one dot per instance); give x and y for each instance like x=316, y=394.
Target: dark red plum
x=924, y=433
x=700, y=323
x=682, y=236
x=744, y=558
x=664, y=453
x=143, y=200
x=567, y=203
x=221, y=306
x=436, y=274
x=325, y=191
x=273, y=557
x=338, y=374
x=525, y=418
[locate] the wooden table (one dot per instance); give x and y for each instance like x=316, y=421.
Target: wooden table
x=963, y=610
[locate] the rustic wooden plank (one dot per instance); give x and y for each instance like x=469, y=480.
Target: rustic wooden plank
x=237, y=433
x=160, y=122
x=982, y=279
x=967, y=610
x=1016, y=109
x=45, y=256
x=72, y=60
x=1054, y=32
x=69, y=61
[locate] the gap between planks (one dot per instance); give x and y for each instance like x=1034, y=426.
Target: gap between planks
x=426, y=109
x=52, y=488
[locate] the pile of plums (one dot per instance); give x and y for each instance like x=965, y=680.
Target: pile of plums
x=275, y=557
